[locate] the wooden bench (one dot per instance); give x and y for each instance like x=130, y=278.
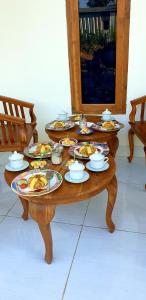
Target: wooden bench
x=137, y=127
x=17, y=124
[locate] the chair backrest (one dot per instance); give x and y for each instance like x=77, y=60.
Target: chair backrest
x=135, y=104
x=17, y=108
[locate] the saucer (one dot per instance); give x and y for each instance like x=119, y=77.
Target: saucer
x=89, y=132
x=83, y=179
x=104, y=168
x=9, y=168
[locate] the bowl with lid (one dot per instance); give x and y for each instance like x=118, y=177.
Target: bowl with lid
x=106, y=115
x=76, y=170
x=16, y=160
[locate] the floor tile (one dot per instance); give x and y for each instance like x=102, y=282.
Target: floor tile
x=72, y=214
x=1, y=219
x=24, y=274
x=134, y=172
x=108, y=266
x=129, y=211
x=7, y=200
x=16, y=210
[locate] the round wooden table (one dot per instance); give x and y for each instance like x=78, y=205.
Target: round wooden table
x=42, y=209
x=97, y=136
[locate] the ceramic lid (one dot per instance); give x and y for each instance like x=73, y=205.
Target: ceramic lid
x=106, y=112
x=63, y=113
x=16, y=156
x=76, y=166
x=96, y=156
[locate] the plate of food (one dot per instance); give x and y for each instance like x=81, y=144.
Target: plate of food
x=39, y=150
x=60, y=125
x=76, y=117
x=67, y=142
x=85, y=131
x=107, y=126
x=39, y=164
x=36, y=183
x=85, y=149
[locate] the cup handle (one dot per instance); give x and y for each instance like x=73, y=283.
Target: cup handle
x=106, y=159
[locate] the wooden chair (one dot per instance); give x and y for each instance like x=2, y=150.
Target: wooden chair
x=137, y=127
x=16, y=130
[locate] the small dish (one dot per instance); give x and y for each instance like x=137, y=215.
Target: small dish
x=23, y=167
x=67, y=142
x=83, y=179
x=39, y=164
x=90, y=168
x=90, y=131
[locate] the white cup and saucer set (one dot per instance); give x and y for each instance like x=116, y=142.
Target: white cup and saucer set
x=98, y=162
x=62, y=116
x=16, y=162
x=76, y=173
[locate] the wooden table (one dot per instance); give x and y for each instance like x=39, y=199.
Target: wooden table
x=109, y=137
x=42, y=209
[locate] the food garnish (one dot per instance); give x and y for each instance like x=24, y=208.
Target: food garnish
x=22, y=183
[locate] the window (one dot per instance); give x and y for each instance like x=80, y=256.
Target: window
x=98, y=34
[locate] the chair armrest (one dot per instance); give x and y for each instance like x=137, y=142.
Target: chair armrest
x=139, y=101
x=12, y=119
x=16, y=102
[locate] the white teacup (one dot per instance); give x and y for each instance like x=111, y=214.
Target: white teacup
x=106, y=115
x=62, y=116
x=16, y=160
x=76, y=170
x=98, y=160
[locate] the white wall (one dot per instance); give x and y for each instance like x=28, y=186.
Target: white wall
x=34, y=56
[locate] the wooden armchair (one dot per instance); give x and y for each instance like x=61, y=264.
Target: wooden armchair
x=137, y=127
x=16, y=130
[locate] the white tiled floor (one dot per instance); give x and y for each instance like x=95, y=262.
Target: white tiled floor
x=89, y=262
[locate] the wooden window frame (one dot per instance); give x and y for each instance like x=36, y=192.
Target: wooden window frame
x=122, y=47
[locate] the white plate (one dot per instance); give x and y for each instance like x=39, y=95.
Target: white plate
x=104, y=168
x=83, y=179
x=9, y=168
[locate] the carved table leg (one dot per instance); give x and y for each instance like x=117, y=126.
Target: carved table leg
x=25, y=205
x=43, y=214
x=131, y=144
x=112, y=193
x=113, y=144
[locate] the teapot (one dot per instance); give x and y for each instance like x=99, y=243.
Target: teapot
x=76, y=170
x=106, y=115
x=98, y=160
x=16, y=160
